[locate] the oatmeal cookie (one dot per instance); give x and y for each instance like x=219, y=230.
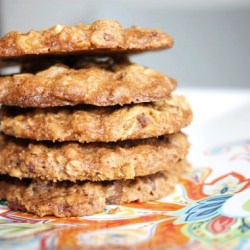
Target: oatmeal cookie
x=100, y=84
x=65, y=199
x=102, y=36
x=88, y=124
x=93, y=161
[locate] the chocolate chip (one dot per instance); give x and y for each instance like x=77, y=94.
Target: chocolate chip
x=15, y=205
x=154, y=34
x=121, y=76
x=143, y=120
x=31, y=168
x=116, y=194
x=108, y=37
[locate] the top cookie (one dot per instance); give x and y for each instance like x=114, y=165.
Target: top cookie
x=102, y=36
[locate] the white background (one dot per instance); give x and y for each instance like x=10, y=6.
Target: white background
x=212, y=37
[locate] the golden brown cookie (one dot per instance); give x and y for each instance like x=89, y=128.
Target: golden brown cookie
x=97, y=83
x=93, y=161
x=102, y=36
x=65, y=199
x=88, y=124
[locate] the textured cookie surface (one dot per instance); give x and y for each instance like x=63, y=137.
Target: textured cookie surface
x=93, y=161
x=98, y=124
x=102, y=36
x=99, y=83
x=64, y=199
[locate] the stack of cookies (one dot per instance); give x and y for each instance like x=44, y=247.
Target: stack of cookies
x=82, y=126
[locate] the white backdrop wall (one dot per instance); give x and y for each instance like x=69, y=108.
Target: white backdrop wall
x=212, y=38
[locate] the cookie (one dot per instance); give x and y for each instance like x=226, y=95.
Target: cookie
x=97, y=83
x=92, y=161
x=88, y=124
x=102, y=36
x=65, y=199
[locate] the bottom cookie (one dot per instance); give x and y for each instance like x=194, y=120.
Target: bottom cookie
x=66, y=199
